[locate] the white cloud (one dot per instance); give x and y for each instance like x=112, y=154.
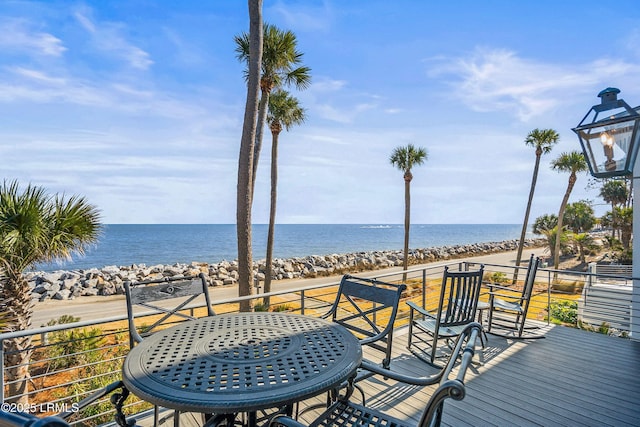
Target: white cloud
x=110, y=37
x=38, y=86
x=500, y=80
x=16, y=35
x=325, y=84
x=303, y=16
x=346, y=114
x=633, y=42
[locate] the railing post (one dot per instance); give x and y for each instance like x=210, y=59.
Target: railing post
x=548, y=302
x=424, y=288
x=592, y=270
x=302, y=302
x=1, y=371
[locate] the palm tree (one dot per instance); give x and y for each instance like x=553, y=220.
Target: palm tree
x=280, y=67
x=542, y=140
x=624, y=221
x=284, y=110
x=34, y=228
x=616, y=193
x=245, y=162
x=584, y=242
x=573, y=163
x=404, y=158
x=5, y=320
x=544, y=223
x=551, y=234
x=579, y=217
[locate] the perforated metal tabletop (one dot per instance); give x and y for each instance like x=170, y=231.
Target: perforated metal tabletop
x=241, y=362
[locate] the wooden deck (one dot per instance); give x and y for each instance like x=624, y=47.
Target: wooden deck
x=569, y=378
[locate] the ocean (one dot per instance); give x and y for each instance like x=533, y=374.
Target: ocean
x=151, y=244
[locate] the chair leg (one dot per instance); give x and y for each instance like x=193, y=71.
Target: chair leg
x=434, y=348
x=410, y=328
x=483, y=337
x=490, y=316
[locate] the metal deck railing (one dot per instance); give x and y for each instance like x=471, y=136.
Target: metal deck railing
x=71, y=360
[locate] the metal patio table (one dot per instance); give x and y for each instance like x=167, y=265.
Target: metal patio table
x=241, y=363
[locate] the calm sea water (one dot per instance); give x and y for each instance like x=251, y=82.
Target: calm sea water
x=167, y=244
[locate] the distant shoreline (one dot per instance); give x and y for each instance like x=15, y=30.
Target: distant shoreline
x=168, y=244
x=109, y=280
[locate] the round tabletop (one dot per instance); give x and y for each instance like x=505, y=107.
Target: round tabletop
x=241, y=362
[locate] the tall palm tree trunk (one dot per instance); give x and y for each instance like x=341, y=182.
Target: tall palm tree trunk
x=272, y=216
x=245, y=161
x=17, y=351
x=407, y=222
x=262, y=118
x=563, y=206
x=613, y=221
x=523, y=233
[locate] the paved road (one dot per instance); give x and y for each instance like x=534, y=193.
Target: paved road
x=89, y=308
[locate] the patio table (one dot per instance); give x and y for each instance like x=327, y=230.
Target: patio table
x=241, y=362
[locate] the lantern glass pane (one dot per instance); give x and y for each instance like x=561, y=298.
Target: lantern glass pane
x=609, y=147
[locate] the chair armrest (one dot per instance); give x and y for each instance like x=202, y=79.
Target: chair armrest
x=501, y=295
x=496, y=293
x=467, y=338
x=419, y=309
x=397, y=376
x=24, y=419
x=117, y=400
x=507, y=297
x=493, y=286
x=283, y=420
x=93, y=397
x=374, y=338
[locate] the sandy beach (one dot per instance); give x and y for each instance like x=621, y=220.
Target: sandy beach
x=95, y=307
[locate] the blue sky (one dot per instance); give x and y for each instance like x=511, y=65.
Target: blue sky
x=138, y=105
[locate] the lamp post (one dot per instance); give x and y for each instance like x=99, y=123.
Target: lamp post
x=610, y=145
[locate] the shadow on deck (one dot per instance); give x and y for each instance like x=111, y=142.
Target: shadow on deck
x=570, y=378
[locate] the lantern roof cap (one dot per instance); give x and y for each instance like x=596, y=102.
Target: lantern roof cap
x=614, y=90
x=608, y=95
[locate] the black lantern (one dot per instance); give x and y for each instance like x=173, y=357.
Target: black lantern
x=610, y=144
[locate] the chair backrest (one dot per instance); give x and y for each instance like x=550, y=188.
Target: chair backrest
x=527, y=289
x=452, y=387
x=532, y=269
x=368, y=308
x=459, y=297
x=151, y=294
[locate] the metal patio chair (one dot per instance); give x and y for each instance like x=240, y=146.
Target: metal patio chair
x=508, y=311
x=169, y=297
x=456, y=309
x=23, y=419
x=368, y=308
x=345, y=413
x=154, y=294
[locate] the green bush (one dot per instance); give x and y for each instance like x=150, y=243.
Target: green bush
x=564, y=312
x=69, y=348
x=624, y=256
x=281, y=307
x=498, y=277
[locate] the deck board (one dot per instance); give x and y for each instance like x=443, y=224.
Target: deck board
x=569, y=378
